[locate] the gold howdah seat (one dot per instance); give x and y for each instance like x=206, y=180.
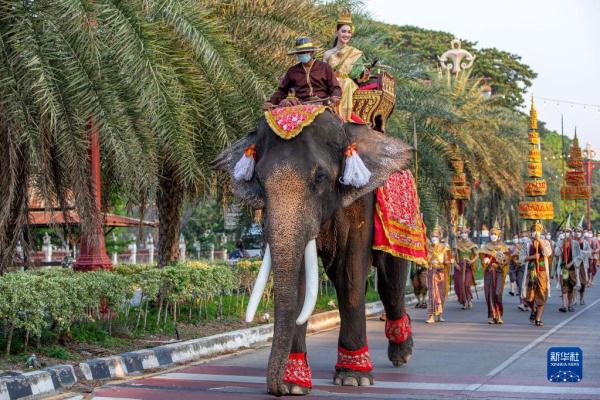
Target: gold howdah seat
x=375, y=101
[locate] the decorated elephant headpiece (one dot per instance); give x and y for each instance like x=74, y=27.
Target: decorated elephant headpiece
x=367, y=157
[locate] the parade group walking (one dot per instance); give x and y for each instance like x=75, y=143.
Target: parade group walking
x=530, y=263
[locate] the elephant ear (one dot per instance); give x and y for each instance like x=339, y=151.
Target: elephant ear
x=248, y=190
x=381, y=154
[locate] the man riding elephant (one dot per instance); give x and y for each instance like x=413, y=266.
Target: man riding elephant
x=309, y=80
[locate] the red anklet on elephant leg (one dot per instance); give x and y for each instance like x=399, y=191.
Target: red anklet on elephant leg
x=297, y=370
x=398, y=331
x=355, y=360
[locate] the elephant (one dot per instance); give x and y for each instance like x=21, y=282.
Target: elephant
x=309, y=212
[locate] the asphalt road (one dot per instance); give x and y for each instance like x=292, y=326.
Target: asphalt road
x=461, y=358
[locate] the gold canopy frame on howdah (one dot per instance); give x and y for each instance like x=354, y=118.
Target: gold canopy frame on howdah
x=375, y=105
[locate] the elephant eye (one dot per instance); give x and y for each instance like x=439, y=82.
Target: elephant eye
x=320, y=175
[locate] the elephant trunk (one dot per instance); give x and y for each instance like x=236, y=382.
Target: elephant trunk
x=286, y=259
x=291, y=227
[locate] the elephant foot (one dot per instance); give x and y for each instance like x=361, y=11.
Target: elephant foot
x=346, y=377
x=294, y=389
x=400, y=353
x=297, y=376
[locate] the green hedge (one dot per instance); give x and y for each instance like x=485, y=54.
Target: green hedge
x=53, y=300
x=56, y=305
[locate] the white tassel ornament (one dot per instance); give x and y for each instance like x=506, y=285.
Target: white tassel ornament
x=244, y=169
x=355, y=172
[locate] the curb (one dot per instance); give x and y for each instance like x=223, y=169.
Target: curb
x=33, y=385
x=38, y=384
x=120, y=366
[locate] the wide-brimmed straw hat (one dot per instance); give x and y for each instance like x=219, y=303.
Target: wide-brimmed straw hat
x=303, y=45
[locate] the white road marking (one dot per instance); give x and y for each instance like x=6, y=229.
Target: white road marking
x=537, y=341
x=466, y=387
x=113, y=398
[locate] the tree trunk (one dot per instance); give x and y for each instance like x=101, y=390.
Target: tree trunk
x=145, y=315
x=14, y=183
x=169, y=201
x=9, y=340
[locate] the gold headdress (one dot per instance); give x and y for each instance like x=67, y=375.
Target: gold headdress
x=580, y=226
x=462, y=226
x=568, y=224
x=345, y=17
x=537, y=227
x=496, y=228
x=437, y=230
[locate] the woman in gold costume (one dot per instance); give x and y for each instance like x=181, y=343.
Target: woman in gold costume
x=348, y=63
x=464, y=269
x=438, y=264
x=494, y=257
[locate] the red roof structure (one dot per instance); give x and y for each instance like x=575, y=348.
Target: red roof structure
x=48, y=213
x=70, y=217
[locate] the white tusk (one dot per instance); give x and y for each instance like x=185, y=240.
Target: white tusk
x=259, y=285
x=311, y=267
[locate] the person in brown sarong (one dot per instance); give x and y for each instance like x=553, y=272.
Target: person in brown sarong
x=537, y=279
x=464, y=269
x=418, y=275
x=494, y=257
x=439, y=259
x=582, y=263
x=567, y=254
x=595, y=246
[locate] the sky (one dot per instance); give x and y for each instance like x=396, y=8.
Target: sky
x=558, y=39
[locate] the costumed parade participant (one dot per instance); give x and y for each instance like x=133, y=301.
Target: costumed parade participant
x=512, y=265
x=439, y=261
x=494, y=256
x=595, y=246
x=582, y=263
x=516, y=268
x=348, y=64
x=568, y=254
x=308, y=81
x=551, y=243
x=556, y=258
x=536, y=282
x=418, y=277
x=464, y=269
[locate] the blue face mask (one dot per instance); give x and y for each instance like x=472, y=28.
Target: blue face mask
x=304, y=58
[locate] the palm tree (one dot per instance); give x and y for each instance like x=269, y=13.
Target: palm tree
x=156, y=76
x=169, y=83
x=54, y=76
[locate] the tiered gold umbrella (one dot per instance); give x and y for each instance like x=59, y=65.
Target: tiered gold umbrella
x=536, y=187
x=575, y=187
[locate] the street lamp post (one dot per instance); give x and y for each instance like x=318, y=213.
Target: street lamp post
x=589, y=154
x=453, y=60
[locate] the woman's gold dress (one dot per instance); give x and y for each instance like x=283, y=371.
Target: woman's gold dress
x=348, y=64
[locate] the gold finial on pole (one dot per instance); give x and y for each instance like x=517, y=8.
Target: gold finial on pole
x=533, y=115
